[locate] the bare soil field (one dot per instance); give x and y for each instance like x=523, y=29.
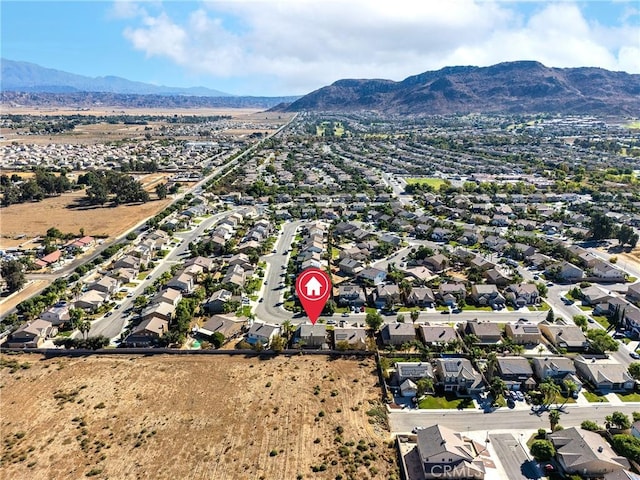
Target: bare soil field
x=9, y=303
x=111, y=110
x=196, y=417
x=33, y=219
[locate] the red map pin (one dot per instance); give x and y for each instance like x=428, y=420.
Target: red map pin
x=313, y=287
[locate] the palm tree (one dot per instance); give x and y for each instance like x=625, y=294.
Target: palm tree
x=415, y=314
x=550, y=389
x=492, y=360
x=570, y=387
x=84, y=327
x=554, y=419
x=76, y=290
x=405, y=290
x=287, y=329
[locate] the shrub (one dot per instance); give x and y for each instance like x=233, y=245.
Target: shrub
x=273, y=453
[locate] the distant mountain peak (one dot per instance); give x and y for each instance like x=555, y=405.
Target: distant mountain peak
x=524, y=86
x=29, y=77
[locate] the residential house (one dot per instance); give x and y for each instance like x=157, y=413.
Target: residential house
x=311, y=336
x=522, y=294
x=455, y=374
x=451, y=293
x=106, y=284
x=633, y=293
x=437, y=334
x=421, y=297
x=125, y=275
x=408, y=389
x=217, y=301
x=351, y=295
x=523, y=332
x=557, y=368
x=229, y=326
x=487, y=333
x=128, y=261
x=374, y=275
x=263, y=333
x=437, y=263
x=607, y=272
x=397, y=334
x=91, y=300
x=350, y=266
x=387, y=295
x=563, y=335
x=206, y=264
x=242, y=260
x=353, y=337
x=566, y=271
x=516, y=372
x=604, y=373
x=445, y=454
x=585, y=453
x=594, y=295
x=413, y=371
x=148, y=332
x=182, y=281
x=170, y=296
x=418, y=273
x=621, y=475
x=235, y=277
x=57, y=315
x=162, y=310
x=497, y=276
x=487, y=295
x=32, y=334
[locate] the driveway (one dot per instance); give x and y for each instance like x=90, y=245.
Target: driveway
x=514, y=458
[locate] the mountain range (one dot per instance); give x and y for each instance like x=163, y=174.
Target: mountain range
x=511, y=87
x=29, y=77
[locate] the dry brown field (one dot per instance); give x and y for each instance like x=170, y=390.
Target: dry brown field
x=196, y=417
x=91, y=134
x=34, y=219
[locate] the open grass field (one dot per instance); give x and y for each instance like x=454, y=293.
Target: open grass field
x=196, y=417
x=431, y=181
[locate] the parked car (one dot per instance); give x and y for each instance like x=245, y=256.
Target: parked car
x=345, y=314
x=634, y=355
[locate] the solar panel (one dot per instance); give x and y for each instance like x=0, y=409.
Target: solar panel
x=450, y=367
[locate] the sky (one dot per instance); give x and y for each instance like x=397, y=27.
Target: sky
x=292, y=47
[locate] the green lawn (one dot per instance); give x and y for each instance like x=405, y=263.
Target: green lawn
x=142, y=275
x=478, y=309
x=244, y=311
x=629, y=397
x=448, y=401
x=594, y=397
x=604, y=321
x=585, y=308
x=431, y=181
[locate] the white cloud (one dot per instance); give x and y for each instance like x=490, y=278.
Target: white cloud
x=302, y=45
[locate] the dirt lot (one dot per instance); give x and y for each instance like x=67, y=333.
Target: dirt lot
x=33, y=219
x=209, y=417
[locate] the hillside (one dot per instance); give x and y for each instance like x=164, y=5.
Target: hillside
x=513, y=87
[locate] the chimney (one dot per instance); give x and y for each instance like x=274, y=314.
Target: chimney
x=600, y=449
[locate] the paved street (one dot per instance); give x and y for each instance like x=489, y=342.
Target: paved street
x=270, y=309
x=503, y=418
